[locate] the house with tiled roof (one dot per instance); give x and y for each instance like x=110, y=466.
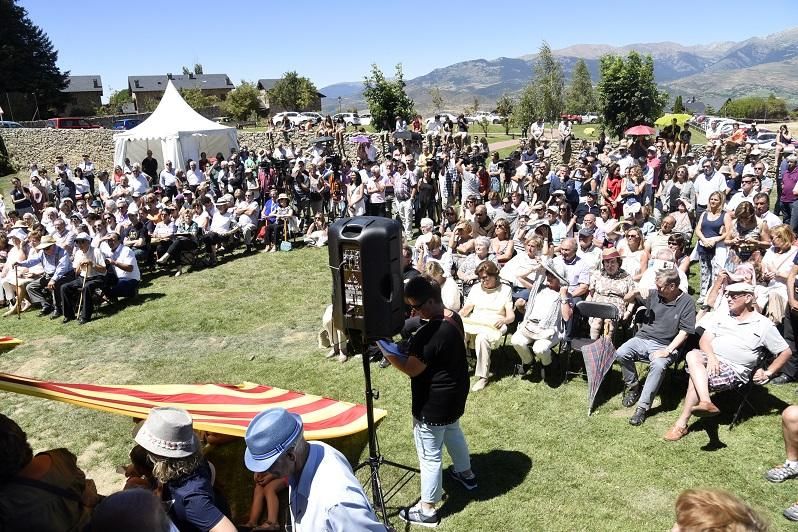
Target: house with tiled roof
x=150, y=88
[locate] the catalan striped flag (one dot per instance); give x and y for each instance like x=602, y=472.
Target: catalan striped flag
x=222, y=408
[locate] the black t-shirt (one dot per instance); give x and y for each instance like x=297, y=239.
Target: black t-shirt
x=23, y=195
x=134, y=232
x=439, y=393
x=685, y=136
x=150, y=166
x=671, y=132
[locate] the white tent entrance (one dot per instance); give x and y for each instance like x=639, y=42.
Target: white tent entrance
x=174, y=132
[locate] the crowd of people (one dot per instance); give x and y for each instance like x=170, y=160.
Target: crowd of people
x=508, y=248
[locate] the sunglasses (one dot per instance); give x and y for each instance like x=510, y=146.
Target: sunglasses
x=416, y=306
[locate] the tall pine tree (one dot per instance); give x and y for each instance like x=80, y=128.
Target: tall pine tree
x=581, y=97
x=28, y=59
x=549, y=83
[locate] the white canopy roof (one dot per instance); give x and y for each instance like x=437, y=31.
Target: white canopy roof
x=174, y=132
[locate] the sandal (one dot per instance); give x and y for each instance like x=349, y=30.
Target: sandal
x=782, y=473
x=266, y=525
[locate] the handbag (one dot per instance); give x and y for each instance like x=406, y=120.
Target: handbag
x=532, y=329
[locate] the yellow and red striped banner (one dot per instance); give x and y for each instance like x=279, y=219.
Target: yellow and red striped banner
x=222, y=408
x=8, y=342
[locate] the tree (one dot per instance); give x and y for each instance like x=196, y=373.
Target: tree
x=437, y=99
x=197, y=70
x=627, y=92
x=387, y=99
x=473, y=108
x=504, y=108
x=293, y=92
x=549, y=83
x=242, y=101
x=528, y=108
x=756, y=108
x=119, y=98
x=678, y=106
x=28, y=59
x=581, y=97
x=196, y=99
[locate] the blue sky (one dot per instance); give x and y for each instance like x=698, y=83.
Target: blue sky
x=334, y=41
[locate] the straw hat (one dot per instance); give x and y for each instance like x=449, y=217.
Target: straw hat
x=168, y=432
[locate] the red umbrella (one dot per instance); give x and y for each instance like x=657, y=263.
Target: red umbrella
x=640, y=130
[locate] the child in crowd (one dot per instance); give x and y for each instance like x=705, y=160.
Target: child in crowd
x=267, y=486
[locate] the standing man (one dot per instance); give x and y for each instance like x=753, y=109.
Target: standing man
x=404, y=189
x=707, y=182
x=87, y=167
x=670, y=319
x=323, y=492
x=536, y=133
x=375, y=187
x=438, y=371
x=150, y=165
x=168, y=180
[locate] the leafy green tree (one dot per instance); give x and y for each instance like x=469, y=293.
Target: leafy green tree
x=678, y=105
x=28, y=59
x=196, y=99
x=504, y=108
x=473, y=108
x=581, y=96
x=549, y=83
x=709, y=110
x=387, y=99
x=756, y=108
x=628, y=94
x=119, y=98
x=196, y=70
x=293, y=92
x=528, y=108
x=437, y=99
x=242, y=101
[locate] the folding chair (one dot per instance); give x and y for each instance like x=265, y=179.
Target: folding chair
x=585, y=310
x=744, y=391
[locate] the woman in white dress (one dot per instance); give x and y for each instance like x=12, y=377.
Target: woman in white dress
x=776, y=266
x=356, y=195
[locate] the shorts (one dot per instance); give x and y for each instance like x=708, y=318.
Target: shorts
x=727, y=379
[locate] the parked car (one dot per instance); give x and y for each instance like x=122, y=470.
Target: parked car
x=590, y=118
x=312, y=117
x=576, y=119
x=365, y=118
x=70, y=123
x=126, y=123
x=8, y=124
x=293, y=116
x=479, y=115
x=224, y=120
x=350, y=119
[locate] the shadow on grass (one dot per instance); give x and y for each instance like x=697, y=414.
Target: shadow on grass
x=760, y=402
x=498, y=471
x=122, y=304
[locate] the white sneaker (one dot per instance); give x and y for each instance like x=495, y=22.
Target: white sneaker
x=480, y=384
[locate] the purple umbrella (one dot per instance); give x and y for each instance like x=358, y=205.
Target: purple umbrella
x=598, y=357
x=360, y=139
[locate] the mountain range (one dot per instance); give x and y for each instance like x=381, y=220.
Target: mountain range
x=712, y=73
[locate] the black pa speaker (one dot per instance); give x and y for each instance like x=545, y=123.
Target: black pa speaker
x=366, y=264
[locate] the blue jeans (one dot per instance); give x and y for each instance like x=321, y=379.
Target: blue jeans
x=429, y=440
x=638, y=349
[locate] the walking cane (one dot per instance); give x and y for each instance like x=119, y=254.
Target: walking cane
x=82, y=289
x=16, y=289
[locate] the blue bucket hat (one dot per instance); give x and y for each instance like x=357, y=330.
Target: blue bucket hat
x=268, y=436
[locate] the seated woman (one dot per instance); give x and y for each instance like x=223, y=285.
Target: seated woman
x=461, y=242
x=47, y=491
x=678, y=244
x=544, y=321
x=185, y=238
x=433, y=251
x=467, y=272
x=634, y=257
x=501, y=245
x=487, y=311
x=183, y=474
x=267, y=486
x=684, y=224
x=776, y=266
x=608, y=285
x=316, y=234
x=450, y=292
x=11, y=277
x=448, y=224
x=283, y=215
x=749, y=234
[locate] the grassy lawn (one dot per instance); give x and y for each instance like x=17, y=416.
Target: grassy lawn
x=543, y=463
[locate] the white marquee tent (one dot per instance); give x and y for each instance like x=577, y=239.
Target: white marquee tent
x=174, y=132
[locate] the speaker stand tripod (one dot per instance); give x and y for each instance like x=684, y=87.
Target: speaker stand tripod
x=375, y=460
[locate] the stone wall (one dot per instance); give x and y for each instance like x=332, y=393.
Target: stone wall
x=43, y=145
